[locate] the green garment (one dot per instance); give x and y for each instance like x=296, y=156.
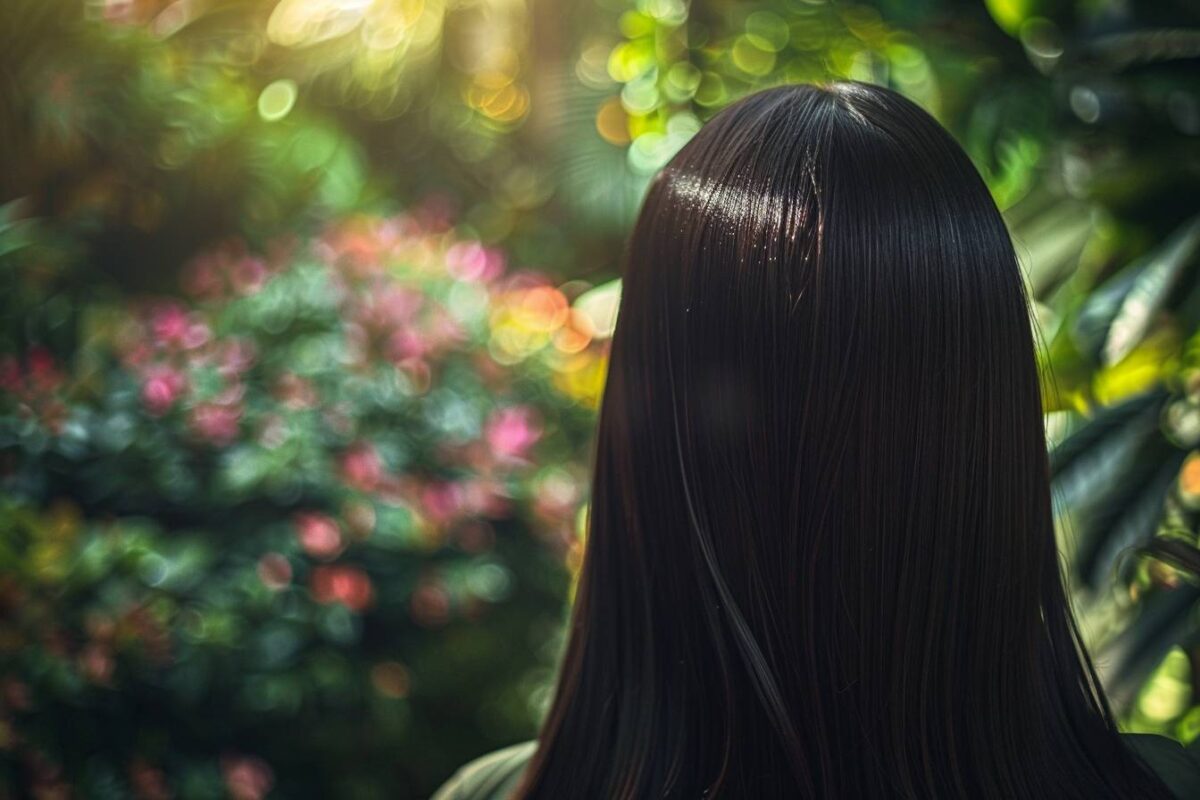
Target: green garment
x=1176, y=765
x=491, y=777
x=495, y=776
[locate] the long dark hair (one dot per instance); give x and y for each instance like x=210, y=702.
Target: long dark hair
x=821, y=559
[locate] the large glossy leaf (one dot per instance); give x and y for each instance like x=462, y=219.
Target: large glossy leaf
x=1049, y=234
x=1106, y=424
x=1157, y=275
x=1159, y=621
x=1115, y=504
x=1129, y=517
x=1092, y=323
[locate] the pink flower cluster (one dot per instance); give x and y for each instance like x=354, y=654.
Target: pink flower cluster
x=398, y=324
x=35, y=383
x=399, y=321
x=511, y=432
x=168, y=346
x=319, y=535
x=230, y=270
x=342, y=583
x=246, y=777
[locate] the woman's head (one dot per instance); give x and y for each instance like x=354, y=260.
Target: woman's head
x=821, y=558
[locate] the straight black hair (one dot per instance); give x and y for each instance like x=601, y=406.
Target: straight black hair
x=821, y=559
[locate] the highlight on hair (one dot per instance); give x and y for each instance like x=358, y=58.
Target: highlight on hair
x=821, y=559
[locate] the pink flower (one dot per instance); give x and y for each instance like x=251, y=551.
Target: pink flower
x=350, y=248
x=390, y=306
x=442, y=500
x=162, y=388
x=430, y=604
x=197, y=335
x=96, y=663
x=137, y=355
x=510, y=432
x=231, y=395
x=40, y=375
x=349, y=586
x=248, y=275
x=123, y=12
x=169, y=325
x=203, y=277
x=435, y=213
x=235, y=357
x=319, y=535
x=216, y=423
x=486, y=498
x=149, y=782
x=247, y=777
x=295, y=392
x=556, y=496
x=362, y=468
x=11, y=378
x=407, y=343
x=418, y=374
x=447, y=329
x=274, y=571
x=43, y=372
x=471, y=261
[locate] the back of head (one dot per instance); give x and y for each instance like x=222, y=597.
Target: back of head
x=821, y=559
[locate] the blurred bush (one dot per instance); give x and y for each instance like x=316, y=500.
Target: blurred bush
x=304, y=529
x=291, y=492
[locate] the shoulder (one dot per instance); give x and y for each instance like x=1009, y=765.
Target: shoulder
x=490, y=777
x=1178, y=766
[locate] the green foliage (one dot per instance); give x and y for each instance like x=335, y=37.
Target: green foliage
x=149, y=153
x=1107, y=220
x=645, y=90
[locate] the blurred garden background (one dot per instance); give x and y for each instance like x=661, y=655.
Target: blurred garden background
x=303, y=331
